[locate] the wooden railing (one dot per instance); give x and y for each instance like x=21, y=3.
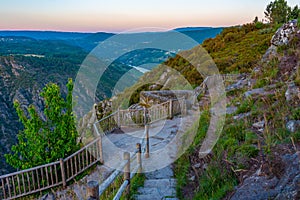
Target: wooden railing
x=139, y=117
x=159, y=111
x=47, y=176
x=58, y=173
x=131, y=117
x=107, y=124
x=131, y=165
x=83, y=159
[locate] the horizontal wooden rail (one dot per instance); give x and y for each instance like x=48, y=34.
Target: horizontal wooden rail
x=36, y=179
x=139, y=117
x=121, y=190
x=30, y=181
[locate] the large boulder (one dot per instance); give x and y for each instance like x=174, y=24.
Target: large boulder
x=292, y=92
x=282, y=37
x=283, y=34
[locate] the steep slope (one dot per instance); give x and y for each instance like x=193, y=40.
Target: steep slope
x=234, y=50
x=259, y=146
x=261, y=132
x=26, y=66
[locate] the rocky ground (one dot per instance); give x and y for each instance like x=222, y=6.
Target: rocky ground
x=275, y=172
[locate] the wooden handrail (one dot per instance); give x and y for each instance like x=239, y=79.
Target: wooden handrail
x=32, y=180
x=82, y=149
x=28, y=170
x=29, y=181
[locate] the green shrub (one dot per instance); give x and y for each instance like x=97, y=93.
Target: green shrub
x=236, y=131
x=248, y=150
x=259, y=25
x=296, y=114
x=215, y=183
x=245, y=106
x=251, y=137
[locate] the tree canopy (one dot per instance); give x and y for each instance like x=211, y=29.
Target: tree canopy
x=44, y=141
x=279, y=11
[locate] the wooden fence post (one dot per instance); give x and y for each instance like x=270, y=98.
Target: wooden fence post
x=100, y=149
x=170, y=108
x=92, y=190
x=145, y=115
x=139, y=158
x=118, y=118
x=147, y=153
x=184, y=107
x=63, y=175
x=126, y=157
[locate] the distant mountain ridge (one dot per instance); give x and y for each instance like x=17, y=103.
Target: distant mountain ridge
x=181, y=29
x=46, y=35
x=90, y=40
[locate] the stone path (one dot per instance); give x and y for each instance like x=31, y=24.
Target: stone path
x=165, y=138
x=159, y=184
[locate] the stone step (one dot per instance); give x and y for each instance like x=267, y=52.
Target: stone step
x=167, y=191
x=150, y=197
x=146, y=197
x=160, y=183
x=163, y=173
x=154, y=197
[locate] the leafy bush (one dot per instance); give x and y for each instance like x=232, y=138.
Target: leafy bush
x=245, y=106
x=296, y=114
x=248, y=150
x=42, y=141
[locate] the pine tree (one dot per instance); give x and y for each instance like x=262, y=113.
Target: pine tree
x=277, y=12
x=44, y=141
x=295, y=13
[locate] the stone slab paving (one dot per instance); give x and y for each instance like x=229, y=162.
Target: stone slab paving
x=159, y=184
x=165, y=137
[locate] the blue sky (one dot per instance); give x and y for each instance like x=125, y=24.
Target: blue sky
x=121, y=15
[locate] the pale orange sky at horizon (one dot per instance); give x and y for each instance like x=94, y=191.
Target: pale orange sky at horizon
x=117, y=15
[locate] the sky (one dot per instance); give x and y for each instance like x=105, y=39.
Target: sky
x=123, y=15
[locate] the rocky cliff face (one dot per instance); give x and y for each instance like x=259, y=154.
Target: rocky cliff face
x=18, y=81
x=11, y=89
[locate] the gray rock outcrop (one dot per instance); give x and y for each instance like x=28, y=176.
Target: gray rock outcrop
x=258, y=187
x=292, y=92
x=293, y=125
x=282, y=37
x=283, y=34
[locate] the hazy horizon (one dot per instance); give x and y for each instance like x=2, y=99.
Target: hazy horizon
x=118, y=16
x=146, y=29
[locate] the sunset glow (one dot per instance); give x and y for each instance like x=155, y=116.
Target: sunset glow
x=118, y=15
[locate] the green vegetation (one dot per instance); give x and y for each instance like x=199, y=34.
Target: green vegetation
x=235, y=50
x=215, y=183
x=182, y=165
x=136, y=182
x=239, y=49
x=46, y=141
x=279, y=12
